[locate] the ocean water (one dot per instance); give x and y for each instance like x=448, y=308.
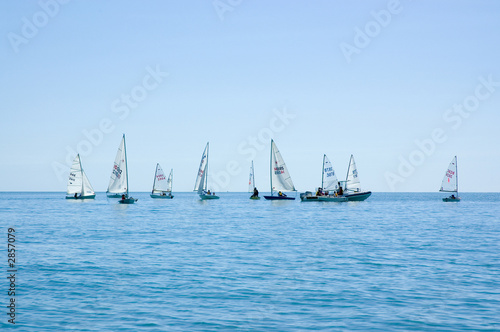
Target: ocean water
x=395, y=262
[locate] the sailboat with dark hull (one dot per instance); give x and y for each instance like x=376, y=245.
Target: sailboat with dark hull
x=353, y=190
x=79, y=186
x=450, y=182
x=280, y=177
x=118, y=182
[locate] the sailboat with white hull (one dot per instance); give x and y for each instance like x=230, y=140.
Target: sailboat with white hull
x=328, y=192
x=201, y=183
x=280, y=177
x=118, y=182
x=352, y=184
x=251, y=184
x=450, y=182
x=162, y=187
x=79, y=186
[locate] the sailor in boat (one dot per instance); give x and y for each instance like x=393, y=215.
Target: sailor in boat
x=123, y=196
x=208, y=192
x=340, y=191
x=281, y=194
x=255, y=192
x=76, y=195
x=452, y=196
x=319, y=192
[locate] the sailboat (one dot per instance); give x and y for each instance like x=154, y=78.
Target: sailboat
x=450, y=182
x=162, y=187
x=280, y=177
x=200, y=185
x=79, y=186
x=328, y=192
x=251, y=184
x=118, y=182
x=352, y=185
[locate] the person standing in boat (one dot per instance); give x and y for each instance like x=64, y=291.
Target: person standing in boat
x=340, y=191
x=255, y=192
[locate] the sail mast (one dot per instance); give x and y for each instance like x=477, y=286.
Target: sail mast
x=171, y=176
x=253, y=176
x=126, y=165
x=456, y=170
x=81, y=173
x=206, y=175
x=271, y=168
x=323, y=172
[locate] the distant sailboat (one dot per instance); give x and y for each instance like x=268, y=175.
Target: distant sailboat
x=280, y=177
x=118, y=182
x=162, y=187
x=352, y=185
x=251, y=184
x=329, y=186
x=450, y=182
x=79, y=186
x=200, y=185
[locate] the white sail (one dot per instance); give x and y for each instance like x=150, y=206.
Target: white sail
x=78, y=183
x=170, y=180
x=201, y=186
x=87, y=187
x=201, y=178
x=329, y=179
x=160, y=183
x=75, y=180
x=352, y=181
x=118, y=180
x=251, y=180
x=450, y=179
x=280, y=177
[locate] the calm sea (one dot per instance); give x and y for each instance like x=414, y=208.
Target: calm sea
x=395, y=262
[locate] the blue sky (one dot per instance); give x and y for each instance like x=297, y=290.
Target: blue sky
x=402, y=85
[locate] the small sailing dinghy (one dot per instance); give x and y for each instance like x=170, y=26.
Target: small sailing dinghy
x=328, y=192
x=118, y=182
x=79, y=186
x=162, y=187
x=450, y=182
x=200, y=185
x=280, y=177
x=352, y=185
x=251, y=184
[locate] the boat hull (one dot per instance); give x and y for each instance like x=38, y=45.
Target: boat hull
x=81, y=197
x=205, y=197
x=309, y=197
x=129, y=200
x=278, y=198
x=358, y=196
x=255, y=197
x=162, y=197
x=449, y=199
